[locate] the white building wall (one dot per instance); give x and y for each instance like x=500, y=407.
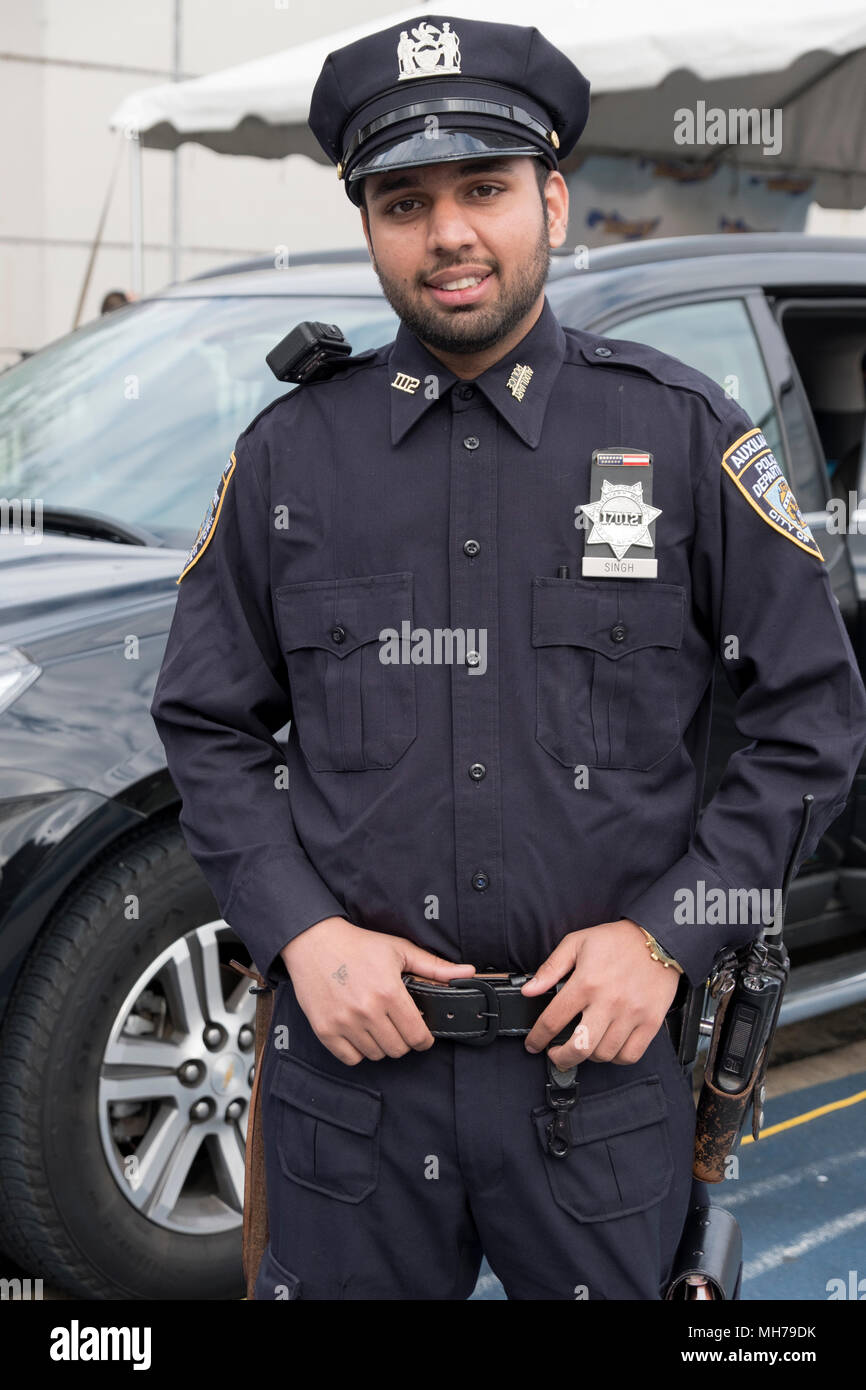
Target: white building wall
x=65, y=65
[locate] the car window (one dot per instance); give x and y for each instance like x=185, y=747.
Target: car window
x=718, y=339
x=136, y=413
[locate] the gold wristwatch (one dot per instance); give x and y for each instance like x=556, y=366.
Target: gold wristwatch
x=658, y=952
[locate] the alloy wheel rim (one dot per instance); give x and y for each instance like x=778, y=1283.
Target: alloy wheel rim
x=174, y=1086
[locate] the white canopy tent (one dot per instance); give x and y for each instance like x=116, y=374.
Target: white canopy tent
x=645, y=64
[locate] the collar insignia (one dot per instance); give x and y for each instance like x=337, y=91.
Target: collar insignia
x=404, y=382
x=518, y=381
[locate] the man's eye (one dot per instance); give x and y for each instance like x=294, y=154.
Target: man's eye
x=403, y=203
x=486, y=187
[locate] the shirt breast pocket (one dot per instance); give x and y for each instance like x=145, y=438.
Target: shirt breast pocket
x=352, y=711
x=606, y=671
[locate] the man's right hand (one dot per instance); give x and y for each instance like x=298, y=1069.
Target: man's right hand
x=347, y=981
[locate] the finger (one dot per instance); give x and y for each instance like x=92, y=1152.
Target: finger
x=582, y=1042
x=634, y=1047
x=558, y=963
x=368, y=1045
x=566, y=1005
x=409, y=1022
x=421, y=962
x=615, y=1037
x=342, y=1049
x=389, y=1038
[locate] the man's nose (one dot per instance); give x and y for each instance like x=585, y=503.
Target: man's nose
x=449, y=227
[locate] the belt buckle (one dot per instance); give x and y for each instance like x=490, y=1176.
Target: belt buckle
x=494, y=1017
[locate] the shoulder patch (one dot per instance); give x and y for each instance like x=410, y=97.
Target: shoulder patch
x=752, y=465
x=211, y=517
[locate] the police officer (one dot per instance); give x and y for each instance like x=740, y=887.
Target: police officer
x=486, y=570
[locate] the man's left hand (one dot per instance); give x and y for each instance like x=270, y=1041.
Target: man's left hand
x=621, y=991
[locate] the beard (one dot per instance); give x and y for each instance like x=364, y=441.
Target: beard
x=472, y=328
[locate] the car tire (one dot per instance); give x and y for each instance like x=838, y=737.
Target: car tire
x=64, y=1216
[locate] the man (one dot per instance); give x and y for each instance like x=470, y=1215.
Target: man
x=115, y=299
x=578, y=512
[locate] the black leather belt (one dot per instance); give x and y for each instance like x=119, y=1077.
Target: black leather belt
x=482, y=1008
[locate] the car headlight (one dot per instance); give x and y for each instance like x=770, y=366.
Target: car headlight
x=17, y=672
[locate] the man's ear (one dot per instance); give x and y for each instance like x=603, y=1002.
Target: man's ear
x=556, y=197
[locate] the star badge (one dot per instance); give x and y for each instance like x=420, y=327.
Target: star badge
x=620, y=518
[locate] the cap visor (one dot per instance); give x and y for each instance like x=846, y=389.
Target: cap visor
x=445, y=147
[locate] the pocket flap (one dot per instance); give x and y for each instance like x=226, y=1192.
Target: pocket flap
x=341, y=1103
x=619, y=1111
x=339, y=615
x=609, y=617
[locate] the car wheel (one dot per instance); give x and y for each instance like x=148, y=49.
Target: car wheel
x=127, y=1064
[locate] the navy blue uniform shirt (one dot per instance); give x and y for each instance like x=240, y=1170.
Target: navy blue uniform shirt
x=548, y=776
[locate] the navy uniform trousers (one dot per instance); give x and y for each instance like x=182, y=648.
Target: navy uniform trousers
x=390, y=1179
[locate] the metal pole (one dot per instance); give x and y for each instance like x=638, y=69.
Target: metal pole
x=135, y=211
x=175, y=158
x=100, y=228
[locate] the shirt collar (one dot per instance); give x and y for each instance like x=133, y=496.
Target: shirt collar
x=417, y=378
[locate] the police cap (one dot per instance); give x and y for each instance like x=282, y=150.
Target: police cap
x=436, y=89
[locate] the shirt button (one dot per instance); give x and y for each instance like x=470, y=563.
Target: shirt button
x=480, y=882
x=338, y=634
x=603, y=352
x=471, y=547
x=477, y=771
x=466, y=393
x=618, y=632
x=472, y=658
x=470, y=442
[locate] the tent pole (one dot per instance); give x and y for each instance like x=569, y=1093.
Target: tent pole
x=97, y=238
x=135, y=211
x=175, y=158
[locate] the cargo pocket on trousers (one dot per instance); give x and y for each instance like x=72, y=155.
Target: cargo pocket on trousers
x=327, y=1130
x=274, y=1281
x=620, y=1161
x=353, y=711
x=607, y=658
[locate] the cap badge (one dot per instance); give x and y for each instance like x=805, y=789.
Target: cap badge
x=518, y=381
x=429, y=53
